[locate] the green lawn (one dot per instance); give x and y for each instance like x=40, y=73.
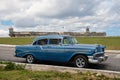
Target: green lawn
x=16, y=41
x=112, y=43
x=50, y=75
x=18, y=72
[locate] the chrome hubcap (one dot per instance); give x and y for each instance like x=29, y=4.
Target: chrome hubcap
x=30, y=58
x=80, y=62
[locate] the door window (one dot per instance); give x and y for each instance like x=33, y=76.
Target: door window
x=55, y=41
x=42, y=42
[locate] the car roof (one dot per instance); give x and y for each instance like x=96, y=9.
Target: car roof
x=51, y=36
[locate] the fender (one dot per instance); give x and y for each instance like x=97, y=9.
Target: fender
x=80, y=53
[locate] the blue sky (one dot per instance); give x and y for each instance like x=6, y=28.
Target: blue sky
x=53, y=15
x=113, y=32
x=6, y=22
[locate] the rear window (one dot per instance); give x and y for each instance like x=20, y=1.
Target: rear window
x=41, y=42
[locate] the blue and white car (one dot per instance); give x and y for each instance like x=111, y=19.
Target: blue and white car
x=61, y=48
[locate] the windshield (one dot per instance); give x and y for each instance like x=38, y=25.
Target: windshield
x=69, y=40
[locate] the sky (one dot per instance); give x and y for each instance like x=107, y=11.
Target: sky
x=60, y=16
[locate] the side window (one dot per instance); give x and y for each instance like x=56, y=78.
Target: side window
x=55, y=41
x=42, y=42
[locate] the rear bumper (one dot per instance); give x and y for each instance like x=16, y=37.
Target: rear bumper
x=15, y=56
x=97, y=60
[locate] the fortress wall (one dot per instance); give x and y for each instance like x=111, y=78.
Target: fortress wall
x=26, y=33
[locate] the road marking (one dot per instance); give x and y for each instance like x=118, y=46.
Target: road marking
x=117, y=56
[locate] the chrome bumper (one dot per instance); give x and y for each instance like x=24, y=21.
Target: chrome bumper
x=97, y=60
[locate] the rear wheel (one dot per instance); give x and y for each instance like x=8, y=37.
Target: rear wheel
x=30, y=59
x=80, y=61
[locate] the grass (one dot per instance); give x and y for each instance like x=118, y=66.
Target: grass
x=11, y=66
x=16, y=41
x=4, y=62
x=14, y=71
x=112, y=43
x=49, y=75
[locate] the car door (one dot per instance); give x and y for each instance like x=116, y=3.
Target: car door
x=55, y=51
x=69, y=47
x=41, y=49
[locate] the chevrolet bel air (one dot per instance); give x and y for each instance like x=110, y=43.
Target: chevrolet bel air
x=61, y=48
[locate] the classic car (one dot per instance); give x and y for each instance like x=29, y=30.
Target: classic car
x=61, y=48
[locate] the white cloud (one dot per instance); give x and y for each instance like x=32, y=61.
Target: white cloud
x=104, y=7
x=4, y=33
x=53, y=15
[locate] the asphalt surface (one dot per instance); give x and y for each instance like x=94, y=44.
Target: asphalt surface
x=113, y=62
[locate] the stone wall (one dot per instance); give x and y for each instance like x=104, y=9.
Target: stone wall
x=26, y=33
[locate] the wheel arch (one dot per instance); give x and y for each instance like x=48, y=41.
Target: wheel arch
x=28, y=54
x=72, y=58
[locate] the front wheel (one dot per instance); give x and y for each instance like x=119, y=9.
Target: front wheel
x=81, y=61
x=30, y=59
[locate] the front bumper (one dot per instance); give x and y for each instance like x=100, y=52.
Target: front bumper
x=97, y=60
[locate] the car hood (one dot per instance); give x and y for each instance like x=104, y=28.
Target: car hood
x=88, y=46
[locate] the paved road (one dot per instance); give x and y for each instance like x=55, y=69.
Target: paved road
x=113, y=62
